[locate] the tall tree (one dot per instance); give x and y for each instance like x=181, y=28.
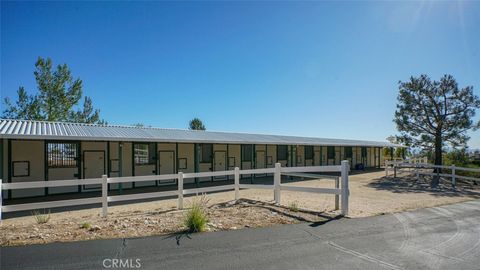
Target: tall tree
x=57, y=99
x=196, y=124
x=26, y=106
x=431, y=114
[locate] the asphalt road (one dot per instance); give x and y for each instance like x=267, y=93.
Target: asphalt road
x=446, y=237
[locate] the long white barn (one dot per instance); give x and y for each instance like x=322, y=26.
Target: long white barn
x=49, y=151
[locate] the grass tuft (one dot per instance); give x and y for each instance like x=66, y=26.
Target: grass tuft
x=40, y=217
x=293, y=206
x=196, y=217
x=85, y=225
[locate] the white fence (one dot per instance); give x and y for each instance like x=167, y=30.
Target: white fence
x=419, y=169
x=277, y=187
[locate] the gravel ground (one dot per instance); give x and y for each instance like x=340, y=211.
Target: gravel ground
x=145, y=220
x=370, y=194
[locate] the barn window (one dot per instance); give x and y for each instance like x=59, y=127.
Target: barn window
x=364, y=152
x=62, y=155
x=144, y=153
x=247, y=152
x=308, y=152
x=282, y=152
x=348, y=152
x=330, y=152
x=206, y=153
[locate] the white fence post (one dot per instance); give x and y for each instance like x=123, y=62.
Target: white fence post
x=104, y=195
x=386, y=168
x=345, y=191
x=277, y=176
x=337, y=197
x=180, y=190
x=237, y=183
x=454, y=181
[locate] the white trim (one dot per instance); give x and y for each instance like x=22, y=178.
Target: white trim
x=52, y=204
x=310, y=189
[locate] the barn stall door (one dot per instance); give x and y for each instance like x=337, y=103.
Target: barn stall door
x=93, y=167
x=166, y=165
x=220, y=163
x=260, y=161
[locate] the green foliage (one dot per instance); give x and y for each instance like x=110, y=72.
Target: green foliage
x=431, y=114
x=88, y=114
x=387, y=152
x=57, y=99
x=40, y=217
x=457, y=157
x=196, y=124
x=86, y=225
x=196, y=217
x=398, y=152
x=460, y=158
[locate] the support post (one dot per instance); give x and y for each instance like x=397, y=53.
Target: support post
x=345, y=191
x=180, y=190
x=394, y=170
x=104, y=195
x=237, y=183
x=337, y=197
x=454, y=181
x=386, y=168
x=277, y=176
x=120, y=166
x=1, y=201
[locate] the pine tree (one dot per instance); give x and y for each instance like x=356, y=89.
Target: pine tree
x=431, y=114
x=57, y=99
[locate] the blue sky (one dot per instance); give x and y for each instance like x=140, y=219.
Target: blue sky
x=323, y=69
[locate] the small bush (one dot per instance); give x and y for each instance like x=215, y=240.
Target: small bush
x=40, y=217
x=293, y=206
x=85, y=225
x=196, y=217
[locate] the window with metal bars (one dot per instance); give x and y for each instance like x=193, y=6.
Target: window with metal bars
x=364, y=152
x=348, y=152
x=144, y=153
x=247, y=152
x=206, y=153
x=62, y=154
x=330, y=152
x=308, y=152
x=282, y=152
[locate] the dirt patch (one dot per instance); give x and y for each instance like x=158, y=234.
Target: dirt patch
x=126, y=224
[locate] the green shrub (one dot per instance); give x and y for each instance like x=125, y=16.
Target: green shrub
x=85, y=225
x=293, y=206
x=196, y=217
x=40, y=217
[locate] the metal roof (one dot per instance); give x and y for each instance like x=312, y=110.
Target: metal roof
x=27, y=129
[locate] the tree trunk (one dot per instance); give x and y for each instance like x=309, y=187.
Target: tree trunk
x=438, y=159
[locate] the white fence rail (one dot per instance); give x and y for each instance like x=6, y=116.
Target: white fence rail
x=277, y=187
x=418, y=169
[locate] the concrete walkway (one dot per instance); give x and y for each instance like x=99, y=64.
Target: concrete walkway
x=446, y=237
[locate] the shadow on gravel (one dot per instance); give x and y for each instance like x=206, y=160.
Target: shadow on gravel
x=282, y=210
x=408, y=184
x=320, y=217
